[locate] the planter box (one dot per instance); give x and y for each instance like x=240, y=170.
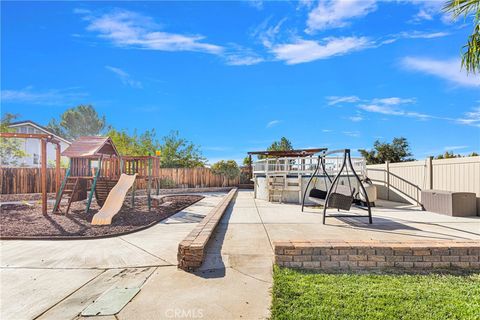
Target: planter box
x=455, y=204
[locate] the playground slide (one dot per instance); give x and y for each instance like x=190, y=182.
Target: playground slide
x=114, y=201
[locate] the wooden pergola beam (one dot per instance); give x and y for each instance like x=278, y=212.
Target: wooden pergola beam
x=48, y=137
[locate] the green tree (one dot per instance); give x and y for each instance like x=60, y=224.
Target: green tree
x=397, y=151
x=448, y=155
x=176, y=152
x=228, y=169
x=10, y=148
x=247, y=161
x=134, y=145
x=282, y=145
x=471, y=50
x=82, y=120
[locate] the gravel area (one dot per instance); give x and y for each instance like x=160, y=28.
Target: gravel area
x=27, y=221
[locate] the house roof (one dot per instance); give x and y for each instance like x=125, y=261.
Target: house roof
x=288, y=153
x=39, y=127
x=90, y=147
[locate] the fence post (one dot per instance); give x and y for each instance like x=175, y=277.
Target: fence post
x=430, y=172
x=387, y=164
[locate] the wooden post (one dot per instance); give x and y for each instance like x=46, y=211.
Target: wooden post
x=387, y=164
x=44, y=175
x=430, y=172
x=149, y=182
x=250, y=166
x=57, y=167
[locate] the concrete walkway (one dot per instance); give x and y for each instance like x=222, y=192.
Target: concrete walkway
x=135, y=276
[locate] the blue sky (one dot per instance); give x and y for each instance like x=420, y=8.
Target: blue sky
x=234, y=76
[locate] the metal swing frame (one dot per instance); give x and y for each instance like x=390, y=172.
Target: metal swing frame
x=346, y=157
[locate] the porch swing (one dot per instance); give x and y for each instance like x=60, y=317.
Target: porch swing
x=337, y=196
x=315, y=194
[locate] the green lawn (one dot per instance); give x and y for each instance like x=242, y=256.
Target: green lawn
x=303, y=295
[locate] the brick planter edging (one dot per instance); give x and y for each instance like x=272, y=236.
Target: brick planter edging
x=192, y=249
x=378, y=255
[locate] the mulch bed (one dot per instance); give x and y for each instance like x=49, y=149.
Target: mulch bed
x=26, y=221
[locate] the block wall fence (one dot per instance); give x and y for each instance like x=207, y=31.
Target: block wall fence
x=404, y=181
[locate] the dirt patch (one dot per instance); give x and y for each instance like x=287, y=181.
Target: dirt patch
x=28, y=221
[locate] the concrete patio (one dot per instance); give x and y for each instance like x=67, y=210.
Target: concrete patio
x=135, y=276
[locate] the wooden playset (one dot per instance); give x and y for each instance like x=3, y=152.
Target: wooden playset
x=96, y=168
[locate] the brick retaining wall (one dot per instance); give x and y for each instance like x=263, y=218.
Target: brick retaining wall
x=191, y=250
x=378, y=255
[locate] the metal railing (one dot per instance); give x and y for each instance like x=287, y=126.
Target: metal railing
x=304, y=166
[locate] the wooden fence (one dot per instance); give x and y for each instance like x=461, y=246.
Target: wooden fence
x=27, y=180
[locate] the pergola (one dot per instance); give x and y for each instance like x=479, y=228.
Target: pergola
x=44, y=138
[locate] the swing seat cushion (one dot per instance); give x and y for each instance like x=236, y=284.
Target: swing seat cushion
x=341, y=198
x=340, y=201
x=317, y=194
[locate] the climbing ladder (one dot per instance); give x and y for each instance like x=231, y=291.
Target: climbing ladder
x=276, y=186
x=67, y=190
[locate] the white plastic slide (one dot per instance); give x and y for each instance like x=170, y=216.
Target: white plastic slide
x=114, y=201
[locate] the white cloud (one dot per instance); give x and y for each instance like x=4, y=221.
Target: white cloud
x=471, y=118
x=305, y=4
x=240, y=56
x=337, y=13
x=133, y=30
x=415, y=34
x=267, y=33
x=394, y=107
x=427, y=10
x=273, y=123
x=125, y=77
x=393, y=101
x=451, y=148
x=333, y=100
x=356, y=118
x=308, y=50
x=423, y=35
x=327, y=130
x=257, y=4
x=393, y=111
x=449, y=70
x=353, y=134
x=53, y=97
x=239, y=60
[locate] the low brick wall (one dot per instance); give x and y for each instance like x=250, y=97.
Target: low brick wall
x=378, y=255
x=191, y=250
